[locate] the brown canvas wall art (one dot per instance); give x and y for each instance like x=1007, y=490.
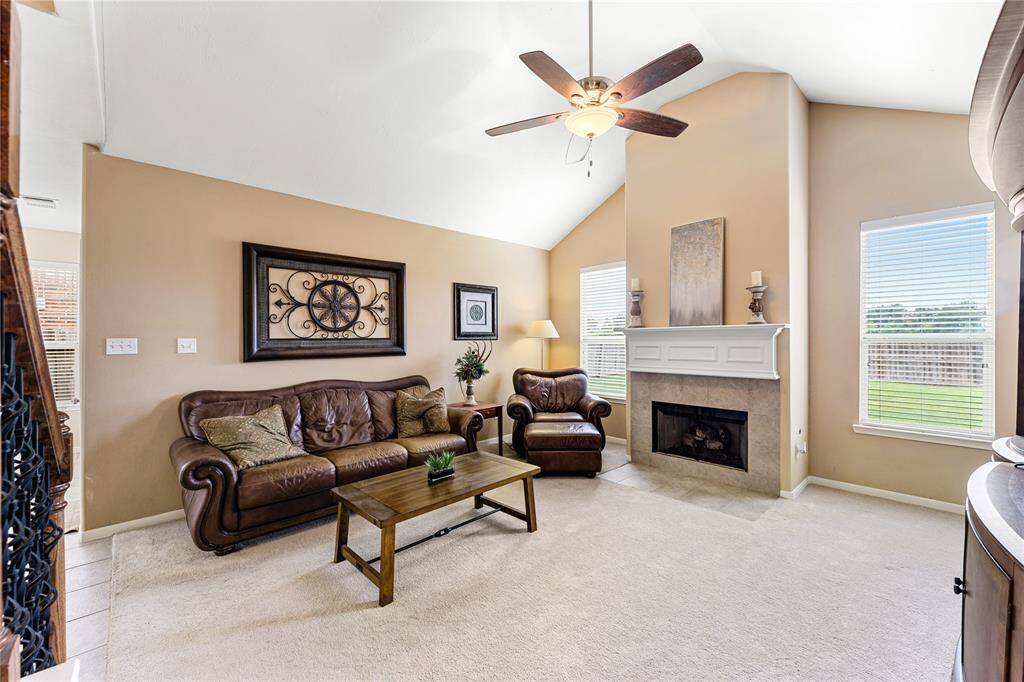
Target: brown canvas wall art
x=696, y=273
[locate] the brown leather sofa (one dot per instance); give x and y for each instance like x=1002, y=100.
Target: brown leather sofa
x=557, y=421
x=347, y=427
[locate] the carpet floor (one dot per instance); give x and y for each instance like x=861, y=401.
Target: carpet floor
x=617, y=583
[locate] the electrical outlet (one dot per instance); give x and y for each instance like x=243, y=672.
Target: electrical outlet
x=122, y=346
x=187, y=346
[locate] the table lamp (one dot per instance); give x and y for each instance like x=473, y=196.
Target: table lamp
x=542, y=329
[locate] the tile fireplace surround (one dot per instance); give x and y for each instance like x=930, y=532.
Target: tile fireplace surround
x=729, y=367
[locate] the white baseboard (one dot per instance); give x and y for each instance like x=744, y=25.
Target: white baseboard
x=884, y=494
x=616, y=439
x=795, y=492
x=114, y=529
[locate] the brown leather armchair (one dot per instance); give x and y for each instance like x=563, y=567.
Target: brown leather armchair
x=557, y=421
x=225, y=505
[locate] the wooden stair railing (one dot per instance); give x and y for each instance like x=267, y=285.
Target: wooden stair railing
x=36, y=442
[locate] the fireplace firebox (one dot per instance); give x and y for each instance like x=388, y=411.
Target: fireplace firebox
x=706, y=434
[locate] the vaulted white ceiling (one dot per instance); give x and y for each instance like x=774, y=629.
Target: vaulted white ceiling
x=60, y=110
x=381, y=106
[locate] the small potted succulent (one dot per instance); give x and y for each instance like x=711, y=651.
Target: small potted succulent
x=440, y=467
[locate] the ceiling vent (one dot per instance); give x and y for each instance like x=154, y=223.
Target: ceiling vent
x=39, y=202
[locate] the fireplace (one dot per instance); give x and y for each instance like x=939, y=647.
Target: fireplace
x=705, y=434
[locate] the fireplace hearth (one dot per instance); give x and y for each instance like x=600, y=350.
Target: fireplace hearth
x=705, y=434
x=748, y=409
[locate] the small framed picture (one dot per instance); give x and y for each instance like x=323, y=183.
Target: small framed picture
x=475, y=311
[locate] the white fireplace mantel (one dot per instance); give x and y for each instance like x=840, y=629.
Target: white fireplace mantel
x=730, y=350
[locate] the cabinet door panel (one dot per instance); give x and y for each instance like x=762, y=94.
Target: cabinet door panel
x=986, y=614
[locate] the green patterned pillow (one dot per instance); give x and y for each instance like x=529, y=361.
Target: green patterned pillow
x=256, y=439
x=419, y=415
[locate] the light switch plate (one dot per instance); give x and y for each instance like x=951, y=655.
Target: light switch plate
x=122, y=346
x=187, y=346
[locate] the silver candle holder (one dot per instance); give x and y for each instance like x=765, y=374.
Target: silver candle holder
x=757, y=304
x=636, y=318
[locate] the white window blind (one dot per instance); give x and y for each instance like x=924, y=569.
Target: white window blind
x=602, y=318
x=56, y=291
x=927, y=323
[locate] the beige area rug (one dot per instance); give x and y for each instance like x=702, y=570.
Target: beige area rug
x=618, y=583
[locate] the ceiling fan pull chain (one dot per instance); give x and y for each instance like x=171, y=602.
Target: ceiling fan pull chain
x=586, y=156
x=568, y=147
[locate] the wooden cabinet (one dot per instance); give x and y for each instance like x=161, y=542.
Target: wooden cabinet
x=992, y=639
x=986, y=590
x=992, y=583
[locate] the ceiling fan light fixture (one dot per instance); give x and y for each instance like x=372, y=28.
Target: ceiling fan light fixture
x=591, y=122
x=597, y=101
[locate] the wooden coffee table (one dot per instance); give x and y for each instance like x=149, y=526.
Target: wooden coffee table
x=392, y=498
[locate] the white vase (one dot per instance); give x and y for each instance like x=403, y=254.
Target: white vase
x=470, y=398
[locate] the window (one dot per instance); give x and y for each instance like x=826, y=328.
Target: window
x=927, y=339
x=602, y=318
x=56, y=290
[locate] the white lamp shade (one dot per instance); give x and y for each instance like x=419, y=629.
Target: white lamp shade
x=542, y=329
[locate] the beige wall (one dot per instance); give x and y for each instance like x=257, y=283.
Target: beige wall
x=877, y=163
x=797, y=384
x=58, y=246
x=153, y=234
x=162, y=259
x=734, y=161
x=599, y=238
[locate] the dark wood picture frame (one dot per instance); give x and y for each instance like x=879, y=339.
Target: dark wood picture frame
x=257, y=259
x=457, y=289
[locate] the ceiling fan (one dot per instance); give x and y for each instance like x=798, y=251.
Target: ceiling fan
x=596, y=100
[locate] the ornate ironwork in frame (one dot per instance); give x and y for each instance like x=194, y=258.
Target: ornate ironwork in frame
x=304, y=304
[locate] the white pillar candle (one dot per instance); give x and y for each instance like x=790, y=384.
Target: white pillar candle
x=755, y=278
x=634, y=284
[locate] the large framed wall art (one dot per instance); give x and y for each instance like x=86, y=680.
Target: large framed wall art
x=304, y=304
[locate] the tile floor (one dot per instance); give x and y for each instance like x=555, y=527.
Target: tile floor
x=745, y=504
x=88, y=602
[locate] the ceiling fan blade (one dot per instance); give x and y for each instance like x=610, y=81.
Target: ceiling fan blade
x=553, y=74
x=657, y=73
x=525, y=125
x=653, y=124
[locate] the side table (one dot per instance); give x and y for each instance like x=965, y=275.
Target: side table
x=489, y=411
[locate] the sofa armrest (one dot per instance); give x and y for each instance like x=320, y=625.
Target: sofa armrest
x=200, y=464
x=593, y=407
x=208, y=481
x=520, y=408
x=466, y=423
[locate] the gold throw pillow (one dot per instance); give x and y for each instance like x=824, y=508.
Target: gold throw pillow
x=419, y=415
x=252, y=440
